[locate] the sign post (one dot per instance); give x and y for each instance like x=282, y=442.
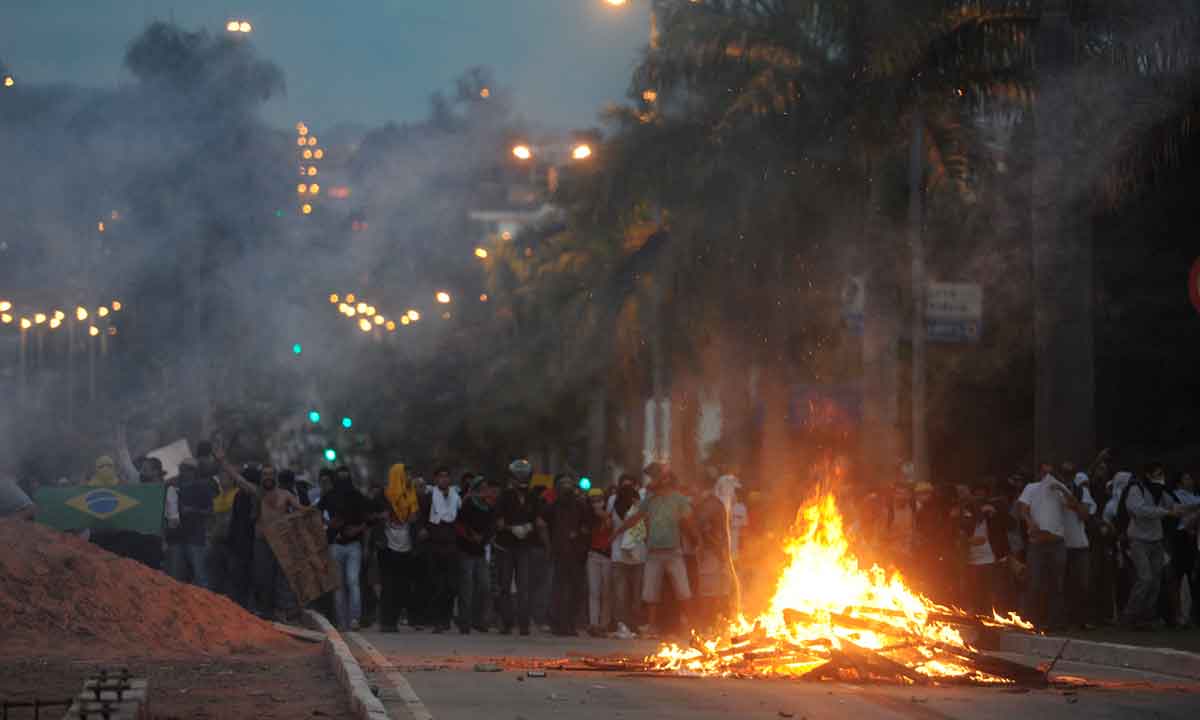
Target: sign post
x=954, y=312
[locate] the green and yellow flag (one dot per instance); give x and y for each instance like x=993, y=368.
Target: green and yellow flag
x=138, y=508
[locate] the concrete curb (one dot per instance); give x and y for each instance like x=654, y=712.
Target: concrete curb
x=1157, y=660
x=350, y=675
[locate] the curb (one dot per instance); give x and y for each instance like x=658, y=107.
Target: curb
x=350, y=675
x=1158, y=660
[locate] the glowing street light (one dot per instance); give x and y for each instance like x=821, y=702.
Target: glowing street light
x=522, y=152
x=413, y=315
x=301, y=129
x=361, y=308
x=102, y=311
x=100, y=226
x=650, y=96
x=54, y=323
x=379, y=319
x=306, y=209
x=9, y=81
x=481, y=253
x=302, y=188
x=350, y=298
x=443, y=297
x=25, y=324
x=405, y=320
x=483, y=298
x=116, y=305
x=581, y=152
x=239, y=26
x=39, y=318
x=318, y=154
x=5, y=306
x=6, y=318
x=391, y=324
x=58, y=315
x=93, y=330
x=485, y=93
x=364, y=325
x=333, y=298
x=81, y=314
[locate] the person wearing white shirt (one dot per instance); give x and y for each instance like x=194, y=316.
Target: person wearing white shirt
x=443, y=561
x=1043, y=506
x=1078, y=552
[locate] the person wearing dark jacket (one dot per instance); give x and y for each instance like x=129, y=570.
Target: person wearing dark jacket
x=516, y=518
x=474, y=528
x=240, y=541
x=444, y=507
x=187, y=544
x=567, y=524
x=347, y=509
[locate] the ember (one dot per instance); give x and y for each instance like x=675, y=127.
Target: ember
x=829, y=618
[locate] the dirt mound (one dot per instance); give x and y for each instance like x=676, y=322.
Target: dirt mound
x=61, y=595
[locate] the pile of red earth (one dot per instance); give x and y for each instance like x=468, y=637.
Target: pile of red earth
x=60, y=595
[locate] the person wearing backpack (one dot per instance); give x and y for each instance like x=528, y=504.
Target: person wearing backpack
x=1142, y=508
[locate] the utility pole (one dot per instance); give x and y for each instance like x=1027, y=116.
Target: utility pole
x=920, y=437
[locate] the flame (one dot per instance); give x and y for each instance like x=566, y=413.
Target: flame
x=826, y=605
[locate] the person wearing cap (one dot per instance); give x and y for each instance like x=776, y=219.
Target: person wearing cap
x=516, y=515
x=599, y=566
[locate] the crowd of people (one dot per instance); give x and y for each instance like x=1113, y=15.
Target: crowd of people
x=1069, y=549
x=1066, y=549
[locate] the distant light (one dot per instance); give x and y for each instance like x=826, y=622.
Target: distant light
x=233, y=26
x=314, y=417
x=102, y=311
x=443, y=297
x=364, y=325
x=391, y=324
x=405, y=320
x=506, y=235
x=25, y=324
x=333, y=298
x=318, y=153
x=245, y=27
x=112, y=331
x=522, y=152
x=446, y=315
x=115, y=215
x=9, y=81
x=5, y=306
x=93, y=330
x=347, y=423
x=649, y=96
x=340, y=192
x=5, y=318
x=616, y=3
x=312, y=141
x=483, y=297
x=312, y=171
x=302, y=188
x=306, y=209
x=39, y=318
x=314, y=189
x=350, y=298
x=582, y=152
x=413, y=315
x=481, y=253
x=379, y=319
x=54, y=323
x=58, y=314
x=301, y=141
x=307, y=154
x=330, y=454
x=81, y=314
x=370, y=310
x=297, y=348
x=585, y=484
x=485, y=93
x=361, y=307
x=100, y=226
x=116, y=305
x=350, y=311
x=301, y=128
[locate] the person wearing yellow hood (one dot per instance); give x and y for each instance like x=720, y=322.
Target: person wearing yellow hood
x=396, y=557
x=105, y=474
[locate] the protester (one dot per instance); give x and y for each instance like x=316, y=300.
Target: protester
x=221, y=561
x=445, y=504
x=347, y=511
x=567, y=524
x=714, y=572
x=666, y=512
x=982, y=555
x=628, y=560
x=475, y=527
x=187, y=540
x=1043, y=507
x=599, y=566
x=516, y=514
x=272, y=592
x=1145, y=505
x=397, y=556
x=1076, y=525
x=1185, y=550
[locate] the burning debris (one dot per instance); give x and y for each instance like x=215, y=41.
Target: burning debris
x=831, y=619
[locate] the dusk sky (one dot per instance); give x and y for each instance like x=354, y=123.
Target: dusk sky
x=359, y=61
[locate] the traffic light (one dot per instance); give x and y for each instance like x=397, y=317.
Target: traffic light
x=297, y=348
x=331, y=454
x=585, y=483
x=347, y=423
x=314, y=417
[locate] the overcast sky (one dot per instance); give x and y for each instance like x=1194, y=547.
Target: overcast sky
x=359, y=61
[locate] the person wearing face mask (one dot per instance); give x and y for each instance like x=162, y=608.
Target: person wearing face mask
x=1044, y=506
x=1146, y=503
x=347, y=510
x=516, y=514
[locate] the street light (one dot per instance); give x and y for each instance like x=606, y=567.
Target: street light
x=522, y=152
x=333, y=298
x=413, y=315
x=9, y=81
x=81, y=314
x=93, y=330
x=5, y=306
x=364, y=325
x=481, y=253
x=6, y=318
x=116, y=305
x=39, y=318
x=581, y=152
x=102, y=311
x=239, y=26
x=443, y=297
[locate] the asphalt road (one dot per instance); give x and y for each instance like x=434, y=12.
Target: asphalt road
x=443, y=683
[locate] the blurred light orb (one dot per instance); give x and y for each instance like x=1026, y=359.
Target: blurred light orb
x=25, y=324
x=483, y=298
x=506, y=236
x=307, y=154
x=102, y=311
x=485, y=93
x=9, y=81
x=522, y=152
x=443, y=297
x=245, y=27
x=413, y=315
x=54, y=323
x=116, y=305
x=365, y=325
x=302, y=188
x=481, y=253
x=318, y=153
x=81, y=313
x=5, y=306
x=314, y=189
x=5, y=318
x=350, y=297
x=582, y=152
x=312, y=141
x=39, y=318
x=301, y=141
x=405, y=320
x=333, y=298
x=312, y=171
x=306, y=209
x=379, y=320
x=93, y=330
x=361, y=307
x=391, y=325
x=233, y=26
x=58, y=314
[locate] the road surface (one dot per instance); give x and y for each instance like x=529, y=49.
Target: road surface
x=437, y=679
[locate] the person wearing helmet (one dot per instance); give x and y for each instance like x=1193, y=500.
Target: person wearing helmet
x=516, y=513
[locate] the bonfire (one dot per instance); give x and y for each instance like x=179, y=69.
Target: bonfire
x=831, y=619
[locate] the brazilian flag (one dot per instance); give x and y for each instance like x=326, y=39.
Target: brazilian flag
x=138, y=508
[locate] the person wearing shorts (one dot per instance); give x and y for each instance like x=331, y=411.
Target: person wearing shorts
x=666, y=512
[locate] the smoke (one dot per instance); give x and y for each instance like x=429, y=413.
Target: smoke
x=171, y=195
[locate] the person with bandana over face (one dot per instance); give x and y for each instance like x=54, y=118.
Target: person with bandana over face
x=475, y=527
x=397, y=554
x=516, y=515
x=1146, y=504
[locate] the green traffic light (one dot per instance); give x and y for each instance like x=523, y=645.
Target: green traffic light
x=330, y=454
x=314, y=416
x=297, y=349
x=585, y=484
x=347, y=423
